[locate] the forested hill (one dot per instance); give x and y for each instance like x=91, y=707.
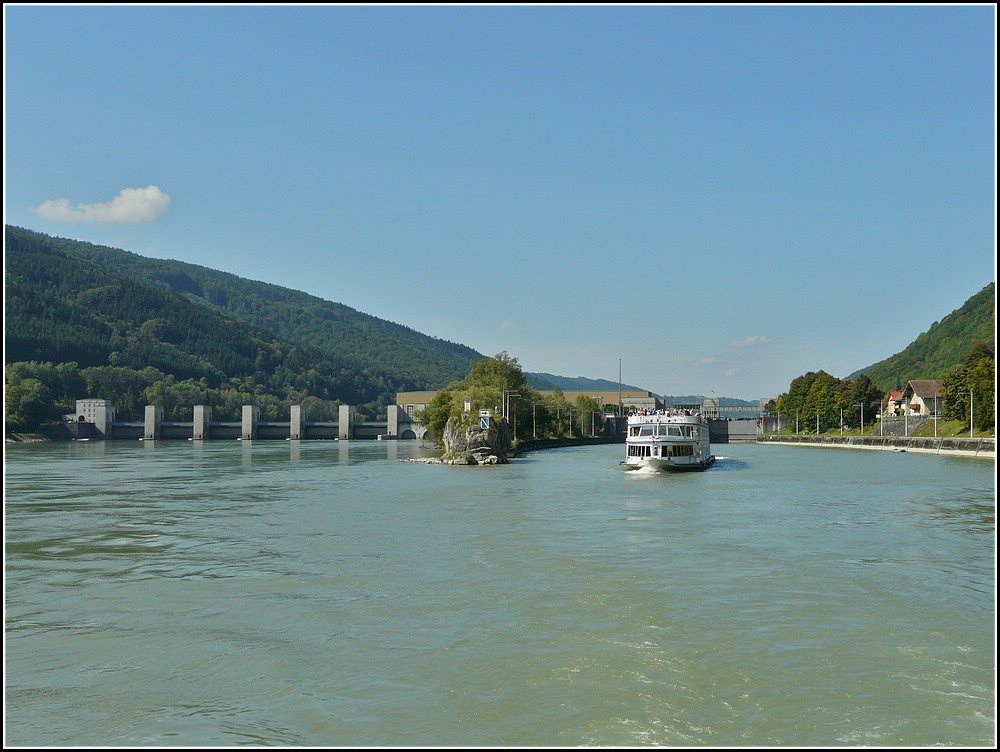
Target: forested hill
x=395, y=354
x=70, y=301
x=942, y=346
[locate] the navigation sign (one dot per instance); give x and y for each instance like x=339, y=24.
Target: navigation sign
x=484, y=422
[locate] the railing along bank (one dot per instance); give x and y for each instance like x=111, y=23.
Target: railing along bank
x=974, y=447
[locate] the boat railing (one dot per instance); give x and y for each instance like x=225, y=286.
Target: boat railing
x=667, y=413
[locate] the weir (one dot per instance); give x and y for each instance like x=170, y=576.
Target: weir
x=249, y=427
x=398, y=424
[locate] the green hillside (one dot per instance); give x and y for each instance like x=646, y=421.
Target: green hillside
x=943, y=346
x=140, y=329
x=61, y=308
x=398, y=355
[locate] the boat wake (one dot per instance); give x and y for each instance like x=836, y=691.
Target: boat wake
x=728, y=463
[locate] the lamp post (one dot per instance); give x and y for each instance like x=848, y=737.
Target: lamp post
x=862, y=406
x=970, y=411
x=970, y=414
x=507, y=394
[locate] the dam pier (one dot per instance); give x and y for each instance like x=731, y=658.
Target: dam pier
x=98, y=422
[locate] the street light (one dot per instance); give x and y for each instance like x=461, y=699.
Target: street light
x=970, y=410
x=507, y=394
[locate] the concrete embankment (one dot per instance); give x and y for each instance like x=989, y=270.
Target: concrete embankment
x=534, y=444
x=979, y=448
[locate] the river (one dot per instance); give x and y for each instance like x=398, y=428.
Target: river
x=332, y=594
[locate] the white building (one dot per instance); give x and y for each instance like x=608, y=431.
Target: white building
x=920, y=397
x=100, y=412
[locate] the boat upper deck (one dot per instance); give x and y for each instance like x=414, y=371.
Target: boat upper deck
x=666, y=416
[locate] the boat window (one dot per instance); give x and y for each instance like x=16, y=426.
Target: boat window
x=675, y=430
x=647, y=430
x=633, y=430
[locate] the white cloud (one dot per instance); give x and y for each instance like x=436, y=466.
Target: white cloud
x=750, y=341
x=131, y=205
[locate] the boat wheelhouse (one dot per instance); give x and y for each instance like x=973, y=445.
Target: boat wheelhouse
x=667, y=440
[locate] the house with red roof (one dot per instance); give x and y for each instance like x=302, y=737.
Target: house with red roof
x=921, y=397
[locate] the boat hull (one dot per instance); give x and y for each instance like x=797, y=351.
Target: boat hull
x=657, y=465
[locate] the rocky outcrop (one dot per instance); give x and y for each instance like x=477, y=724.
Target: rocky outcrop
x=467, y=443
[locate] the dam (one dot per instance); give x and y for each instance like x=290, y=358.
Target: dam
x=96, y=421
x=100, y=424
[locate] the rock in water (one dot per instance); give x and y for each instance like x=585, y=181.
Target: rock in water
x=467, y=443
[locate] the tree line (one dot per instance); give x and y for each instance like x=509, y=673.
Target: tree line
x=39, y=393
x=821, y=402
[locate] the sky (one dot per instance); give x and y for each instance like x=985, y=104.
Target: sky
x=708, y=200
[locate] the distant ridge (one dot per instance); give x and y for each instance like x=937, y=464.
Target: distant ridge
x=548, y=382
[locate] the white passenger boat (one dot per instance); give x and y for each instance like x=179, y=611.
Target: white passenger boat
x=667, y=440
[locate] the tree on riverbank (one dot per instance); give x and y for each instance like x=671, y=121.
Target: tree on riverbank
x=498, y=385
x=975, y=375
x=820, y=401
x=490, y=385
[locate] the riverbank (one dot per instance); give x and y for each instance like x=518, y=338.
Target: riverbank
x=528, y=446
x=24, y=438
x=532, y=445
x=967, y=447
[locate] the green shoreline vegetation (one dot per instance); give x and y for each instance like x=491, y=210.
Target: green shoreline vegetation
x=87, y=321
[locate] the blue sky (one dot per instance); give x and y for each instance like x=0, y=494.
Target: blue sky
x=721, y=197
